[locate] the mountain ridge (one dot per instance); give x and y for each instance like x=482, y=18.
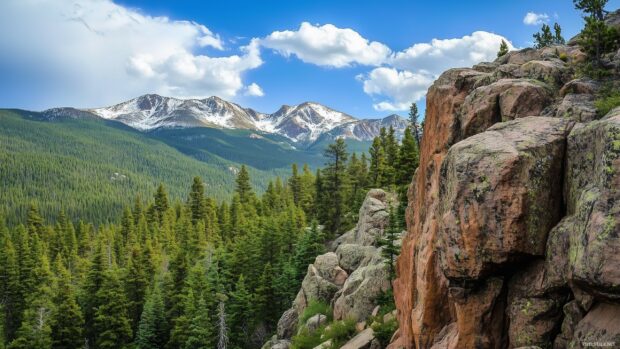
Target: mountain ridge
x=303, y=123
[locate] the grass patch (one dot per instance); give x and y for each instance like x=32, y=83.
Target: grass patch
x=384, y=330
x=385, y=301
x=316, y=307
x=607, y=102
x=307, y=339
x=338, y=333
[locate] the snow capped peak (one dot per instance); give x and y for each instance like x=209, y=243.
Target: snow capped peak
x=303, y=123
x=307, y=121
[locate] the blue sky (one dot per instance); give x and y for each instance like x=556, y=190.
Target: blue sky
x=365, y=58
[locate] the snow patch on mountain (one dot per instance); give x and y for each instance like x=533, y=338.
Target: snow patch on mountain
x=303, y=123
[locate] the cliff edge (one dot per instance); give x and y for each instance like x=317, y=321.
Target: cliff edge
x=513, y=235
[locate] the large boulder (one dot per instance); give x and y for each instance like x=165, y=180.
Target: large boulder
x=323, y=279
x=577, y=107
x=580, y=86
x=287, y=323
x=275, y=343
x=373, y=218
x=500, y=195
x=362, y=340
x=534, y=308
x=552, y=71
x=315, y=322
x=353, y=256
x=504, y=100
x=572, y=315
x=593, y=195
x=599, y=328
x=358, y=296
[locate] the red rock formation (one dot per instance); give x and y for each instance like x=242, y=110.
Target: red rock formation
x=513, y=219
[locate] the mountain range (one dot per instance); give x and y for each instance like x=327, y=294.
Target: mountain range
x=302, y=124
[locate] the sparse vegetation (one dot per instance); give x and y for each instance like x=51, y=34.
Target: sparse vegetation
x=609, y=99
x=316, y=307
x=597, y=38
x=384, y=329
x=338, y=333
x=503, y=49
x=545, y=38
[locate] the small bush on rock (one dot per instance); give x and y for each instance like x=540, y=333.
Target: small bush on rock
x=384, y=330
x=607, y=103
x=316, y=307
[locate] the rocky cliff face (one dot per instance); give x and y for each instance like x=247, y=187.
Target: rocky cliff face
x=514, y=212
x=350, y=278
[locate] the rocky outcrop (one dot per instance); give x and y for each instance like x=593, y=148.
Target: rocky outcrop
x=513, y=223
x=350, y=278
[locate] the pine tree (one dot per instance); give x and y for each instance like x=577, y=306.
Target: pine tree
x=136, y=282
x=388, y=243
x=503, y=48
x=596, y=37
x=558, y=39
x=377, y=163
x=241, y=315
x=545, y=38
x=92, y=285
x=197, y=200
x=111, y=324
x=285, y=282
x=320, y=198
x=152, y=328
x=357, y=176
x=413, y=120
x=128, y=227
x=294, y=183
x=10, y=288
x=266, y=297
x=244, y=188
x=310, y=245
x=161, y=204
x=409, y=158
x=35, y=331
x=391, y=150
x=34, y=221
x=306, y=200
x=335, y=185
x=201, y=330
x=67, y=318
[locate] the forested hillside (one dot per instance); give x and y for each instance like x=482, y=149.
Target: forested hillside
x=89, y=168
x=183, y=274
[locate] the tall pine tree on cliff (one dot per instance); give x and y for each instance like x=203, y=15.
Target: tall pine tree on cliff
x=335, y=185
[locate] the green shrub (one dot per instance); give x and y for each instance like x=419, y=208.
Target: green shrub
x=563, y=56
x=316, y=307
x=339, y=332
x=385, y=301
x=592, y=71
x=384, y=330
x=307, y=339
x=607, y=103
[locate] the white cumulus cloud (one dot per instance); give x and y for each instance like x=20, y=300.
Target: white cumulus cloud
x=95, y=52
x=402, y=87
x=532, y=18
x=410, y=73
x=327, y=45
x=254, y=90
